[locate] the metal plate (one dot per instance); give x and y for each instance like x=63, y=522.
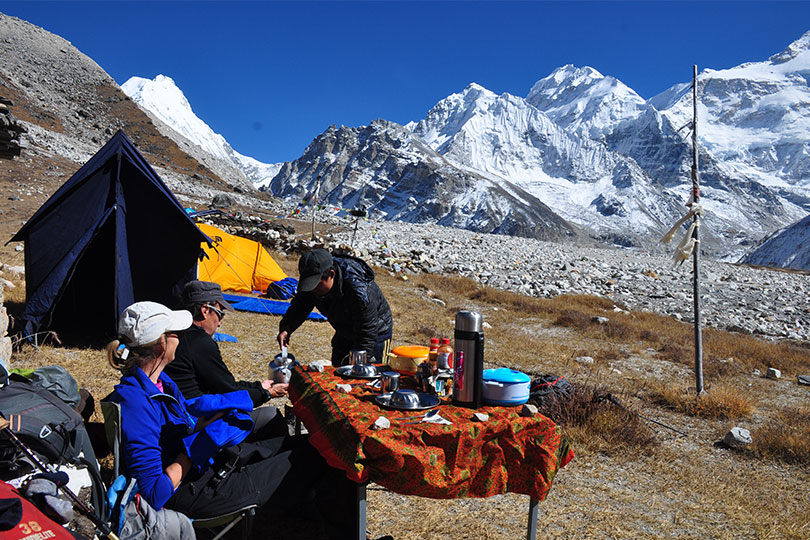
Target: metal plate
x=347, y=373
x=426, y=401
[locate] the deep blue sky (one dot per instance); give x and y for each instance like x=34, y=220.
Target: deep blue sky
x=270, y=76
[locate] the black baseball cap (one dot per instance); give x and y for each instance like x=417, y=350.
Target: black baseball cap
x=203, y=292
x=311, y=267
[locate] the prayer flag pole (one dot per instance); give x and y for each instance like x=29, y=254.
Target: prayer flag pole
x=696, y=252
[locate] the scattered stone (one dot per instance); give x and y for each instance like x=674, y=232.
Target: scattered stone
x=7, y=284
x=600, y=320
x=738, y=437
x=344, y=388
x=18, y=270
x=222, y=201
x=528, y=410
x=585, y=360
x=804, y=380
x=480, y=417
x=773, y=373
x=316, y=366
x=381, y=423
x=18, y=247
x=756, y=373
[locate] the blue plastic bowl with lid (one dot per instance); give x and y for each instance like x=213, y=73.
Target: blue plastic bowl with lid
x=504, y=386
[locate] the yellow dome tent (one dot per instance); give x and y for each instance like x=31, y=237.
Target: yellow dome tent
x=236, y=263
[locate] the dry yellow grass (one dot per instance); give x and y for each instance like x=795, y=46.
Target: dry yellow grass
x=786, y=436
x=677, y=487
x=721, y=401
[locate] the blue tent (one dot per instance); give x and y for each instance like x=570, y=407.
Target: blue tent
x=113, y=234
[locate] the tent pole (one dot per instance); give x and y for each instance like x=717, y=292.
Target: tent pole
x=696, y=253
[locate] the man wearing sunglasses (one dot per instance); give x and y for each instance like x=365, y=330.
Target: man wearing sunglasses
x=198, y=367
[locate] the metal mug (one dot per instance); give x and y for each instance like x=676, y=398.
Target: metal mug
x=390, y=382
x=357, y=357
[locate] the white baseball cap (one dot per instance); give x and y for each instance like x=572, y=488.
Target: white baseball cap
x=145, y=322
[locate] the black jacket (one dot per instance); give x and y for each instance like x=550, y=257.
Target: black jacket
x=198, y=369
x=355, y=307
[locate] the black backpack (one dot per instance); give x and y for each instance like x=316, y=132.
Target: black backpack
x=44, y=423
x=547, y=389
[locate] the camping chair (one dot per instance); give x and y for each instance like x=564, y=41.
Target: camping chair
x=219, y=525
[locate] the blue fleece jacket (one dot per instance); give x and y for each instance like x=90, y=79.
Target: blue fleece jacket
x=157, y=426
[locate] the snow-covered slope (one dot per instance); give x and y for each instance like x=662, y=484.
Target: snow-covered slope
x=582, y=180
x=788, y=248
x=753, y=135
x=584, y=102
x=166, y=101
x=754, y=118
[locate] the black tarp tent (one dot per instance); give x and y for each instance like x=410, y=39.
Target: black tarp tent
x=113, y=234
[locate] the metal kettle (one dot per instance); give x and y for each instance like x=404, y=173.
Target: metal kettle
x=468, y=385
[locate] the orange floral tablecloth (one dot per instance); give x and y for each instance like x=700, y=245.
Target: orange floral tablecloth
x=509, y=453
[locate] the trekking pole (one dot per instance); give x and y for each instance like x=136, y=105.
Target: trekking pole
x=82, y=507
x=613, y=400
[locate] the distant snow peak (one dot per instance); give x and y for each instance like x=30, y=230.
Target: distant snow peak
x=164, y=99
x=585, y=102
x=793, y=50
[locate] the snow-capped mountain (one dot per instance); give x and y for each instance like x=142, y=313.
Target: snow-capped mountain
x=787, y=248
x=163, y=99
x=584, y=102
x=509, y=139
x=394, y=175
x=754, y=125
x=582, y=147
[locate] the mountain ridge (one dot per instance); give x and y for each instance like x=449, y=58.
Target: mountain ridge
x=582, y=152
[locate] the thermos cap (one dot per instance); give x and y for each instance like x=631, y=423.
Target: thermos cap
x=469, y=321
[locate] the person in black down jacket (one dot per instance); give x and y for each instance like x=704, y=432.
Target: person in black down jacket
x=343, y=290
x=198, y=367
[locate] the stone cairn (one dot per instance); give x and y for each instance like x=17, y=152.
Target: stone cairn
x=10, y=130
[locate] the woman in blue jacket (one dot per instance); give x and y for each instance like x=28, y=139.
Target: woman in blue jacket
x=200, y=456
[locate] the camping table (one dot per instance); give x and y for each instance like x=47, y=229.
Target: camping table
x=508, y=453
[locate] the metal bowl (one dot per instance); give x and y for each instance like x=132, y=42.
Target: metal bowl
x=364, y=370
x=405, y=399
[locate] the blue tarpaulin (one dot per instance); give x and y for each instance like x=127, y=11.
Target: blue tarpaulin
x=264, y=305
x=219, y=336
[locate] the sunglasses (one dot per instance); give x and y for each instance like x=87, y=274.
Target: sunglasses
x=219, y=312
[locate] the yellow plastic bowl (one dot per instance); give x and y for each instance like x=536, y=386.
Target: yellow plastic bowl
x=411, y=351
x=405, y=359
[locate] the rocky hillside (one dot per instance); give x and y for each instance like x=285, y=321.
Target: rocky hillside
x=394, y=175
x=70, y=107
